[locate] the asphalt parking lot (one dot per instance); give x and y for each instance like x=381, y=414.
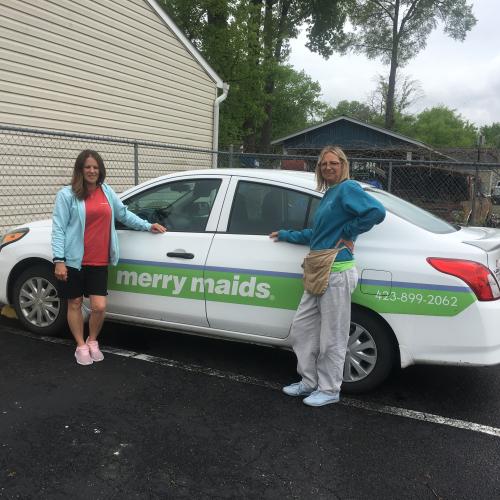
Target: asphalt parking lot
x=173, y=416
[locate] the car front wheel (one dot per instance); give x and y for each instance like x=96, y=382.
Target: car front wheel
x=36, y=302
x=371, y=352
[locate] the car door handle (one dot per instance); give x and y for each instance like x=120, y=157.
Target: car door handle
x=181, y=255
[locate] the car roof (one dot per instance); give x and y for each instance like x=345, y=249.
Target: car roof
x=300, y=179
x=304, y=179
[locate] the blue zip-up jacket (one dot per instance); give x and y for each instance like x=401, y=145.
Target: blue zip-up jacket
x=68, y=225
x=345, y=212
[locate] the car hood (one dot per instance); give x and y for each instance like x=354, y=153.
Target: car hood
x=39, y=224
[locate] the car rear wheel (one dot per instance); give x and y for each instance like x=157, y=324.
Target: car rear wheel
x=371, y=353
x=36, y=302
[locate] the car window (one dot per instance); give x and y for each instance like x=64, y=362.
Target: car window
x=312, y=211
x=412, y=213
x=179, y=205
x=263, y=208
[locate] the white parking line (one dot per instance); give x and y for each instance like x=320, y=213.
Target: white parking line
x=346, y=401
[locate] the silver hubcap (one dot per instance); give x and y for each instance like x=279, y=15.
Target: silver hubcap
x=38, y=302
x=361, y=356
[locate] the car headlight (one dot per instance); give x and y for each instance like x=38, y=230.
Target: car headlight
x=13, y=236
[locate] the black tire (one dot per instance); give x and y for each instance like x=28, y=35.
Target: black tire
x=37, y=305
x=371, y=352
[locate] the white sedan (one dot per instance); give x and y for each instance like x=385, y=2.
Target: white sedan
x=428, y=291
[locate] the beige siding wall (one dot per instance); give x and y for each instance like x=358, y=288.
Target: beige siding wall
x=108, y=67
x=99, y=67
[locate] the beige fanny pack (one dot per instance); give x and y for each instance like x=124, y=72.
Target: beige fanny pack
x=317, y=267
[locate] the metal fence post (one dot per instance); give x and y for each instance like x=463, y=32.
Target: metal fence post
x=473, y=214
x=231, y=151
x=136, y=163
x=472, y=219
x=389, y=178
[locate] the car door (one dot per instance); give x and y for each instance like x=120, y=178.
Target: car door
x=253, y=284
x=154, y=276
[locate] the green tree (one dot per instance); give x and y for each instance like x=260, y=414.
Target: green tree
x=404, y=123
x=407, y=91
x=296, y=101
x=492, y=134
x=443, y=127
x=282, y=20
x=397, y=30
x=227, y=34
x=247, y=42
x=352, y=109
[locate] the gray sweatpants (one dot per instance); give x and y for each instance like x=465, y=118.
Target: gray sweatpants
x=320, y=332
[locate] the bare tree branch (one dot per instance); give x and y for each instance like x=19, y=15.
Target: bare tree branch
x=409, y=14
x=385, y=9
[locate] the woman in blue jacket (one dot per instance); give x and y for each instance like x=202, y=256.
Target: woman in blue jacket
x=84, y=243
x=320, y=329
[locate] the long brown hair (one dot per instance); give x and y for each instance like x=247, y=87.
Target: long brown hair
x=77, y=181
x=344, y=162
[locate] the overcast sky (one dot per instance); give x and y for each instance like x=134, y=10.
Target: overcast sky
x=461, y=75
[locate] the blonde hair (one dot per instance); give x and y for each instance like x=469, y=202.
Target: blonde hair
x=322, y=185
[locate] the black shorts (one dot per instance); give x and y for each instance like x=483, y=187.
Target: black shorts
x=90, y=280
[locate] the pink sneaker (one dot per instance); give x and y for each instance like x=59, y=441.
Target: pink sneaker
x=95, y=352
x=82, y=355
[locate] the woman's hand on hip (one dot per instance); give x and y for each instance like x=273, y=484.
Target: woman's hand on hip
x=61, y=271
x=348, y=243
x=157, y=228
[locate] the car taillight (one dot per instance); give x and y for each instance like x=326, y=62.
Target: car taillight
x=479, y=278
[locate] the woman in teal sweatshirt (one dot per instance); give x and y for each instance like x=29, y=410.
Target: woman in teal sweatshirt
x=320, y=329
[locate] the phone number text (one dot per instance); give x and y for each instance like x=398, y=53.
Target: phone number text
x=417, y=298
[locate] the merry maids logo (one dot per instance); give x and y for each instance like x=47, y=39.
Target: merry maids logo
x=252, y=288
x=176, y=284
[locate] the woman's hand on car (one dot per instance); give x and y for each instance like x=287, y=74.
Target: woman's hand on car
x=274, y=236
x=157, y=228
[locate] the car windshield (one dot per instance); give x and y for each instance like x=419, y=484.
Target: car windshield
x=412, y=213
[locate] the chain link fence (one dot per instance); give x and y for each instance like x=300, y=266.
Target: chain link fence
x=35, y=164
x=459, y=192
